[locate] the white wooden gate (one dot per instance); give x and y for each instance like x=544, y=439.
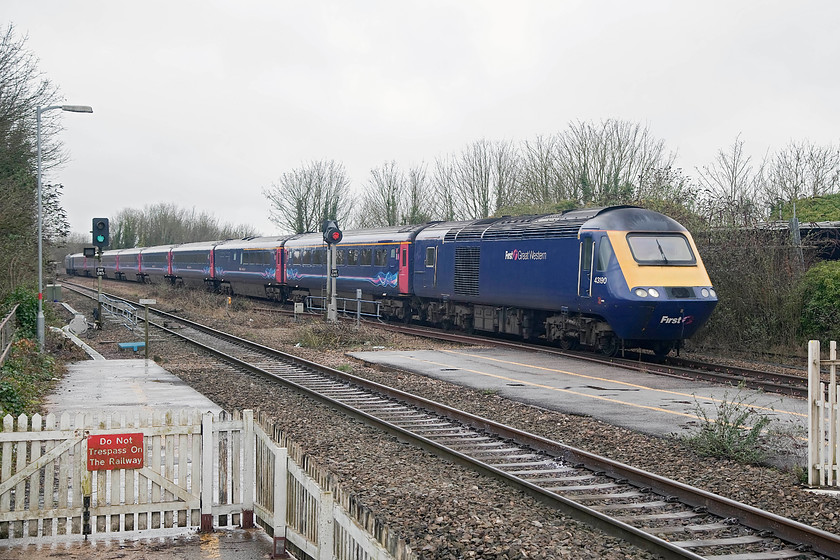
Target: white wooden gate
x=198, y=471
x=823, y=418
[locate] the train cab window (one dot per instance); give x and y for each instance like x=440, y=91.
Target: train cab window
x=430, y=256
x=604, y=253
x=366, y=257
x=353, y=256
x=658, y=249
x=340, y=257
x=380, y=257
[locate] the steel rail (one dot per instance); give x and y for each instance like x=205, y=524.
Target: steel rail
x=789, y=530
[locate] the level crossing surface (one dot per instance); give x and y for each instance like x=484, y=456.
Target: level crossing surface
x=648, y=403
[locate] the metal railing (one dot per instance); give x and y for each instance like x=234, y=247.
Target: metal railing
x=120, y=310
x=7, y=333
x=349, y=307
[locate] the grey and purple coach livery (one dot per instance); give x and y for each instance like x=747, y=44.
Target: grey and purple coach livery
x=607, y=278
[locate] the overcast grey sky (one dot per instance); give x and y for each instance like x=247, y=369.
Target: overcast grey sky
x=205, y=103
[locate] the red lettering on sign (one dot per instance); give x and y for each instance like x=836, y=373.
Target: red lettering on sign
x=115, y=451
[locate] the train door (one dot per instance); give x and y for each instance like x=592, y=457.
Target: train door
x=430, y=266
x=587, y=256
x=403, y=277
x=278, y=267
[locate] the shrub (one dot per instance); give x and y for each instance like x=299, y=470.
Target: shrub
x=821, y=302
x=734, y=434
x=336, y=335
x=25, y=375
x=27, y=312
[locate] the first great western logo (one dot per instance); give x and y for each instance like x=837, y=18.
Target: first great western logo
x=526, y=255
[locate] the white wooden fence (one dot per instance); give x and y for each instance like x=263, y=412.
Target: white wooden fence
x=198, y=471
x=823, y=418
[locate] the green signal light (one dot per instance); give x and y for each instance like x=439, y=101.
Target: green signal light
x=100, y=238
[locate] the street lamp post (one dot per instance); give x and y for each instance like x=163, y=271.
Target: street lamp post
x=38, y=111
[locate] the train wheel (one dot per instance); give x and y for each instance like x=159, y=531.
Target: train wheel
x=609, y=345
x=569, y=343
x=662, y=349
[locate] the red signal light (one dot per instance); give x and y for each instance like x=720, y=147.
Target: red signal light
x=332, y=234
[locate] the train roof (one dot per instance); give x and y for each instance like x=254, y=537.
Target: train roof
x=268, y=242
x=388, y=234
x=566, y=224
x=157, y=249
x=632, y=218
x=195, y=246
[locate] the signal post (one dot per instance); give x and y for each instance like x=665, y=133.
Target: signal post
x=101, y=239
x=332, y=236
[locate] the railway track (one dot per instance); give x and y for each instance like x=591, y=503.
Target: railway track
x=660, y=515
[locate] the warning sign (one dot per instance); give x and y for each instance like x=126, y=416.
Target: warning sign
x=115, y=451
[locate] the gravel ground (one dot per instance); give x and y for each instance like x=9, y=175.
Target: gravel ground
x=443, y=510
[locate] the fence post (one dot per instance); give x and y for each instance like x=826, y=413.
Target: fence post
x=814, y=411
x=207, y=472
x=249, y=472
x=326, y=534
x=281, y=495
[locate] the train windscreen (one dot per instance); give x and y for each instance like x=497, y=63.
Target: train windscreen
x=661, y=249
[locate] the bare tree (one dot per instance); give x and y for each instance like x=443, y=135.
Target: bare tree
x=418, y=204
x=163, y=223
x=381, y=199
x=605, y=163
x=392, y=197
x=477, y=181
x=303, y=198
x=730, y=188
x=23, y=88
x=802, y=169
x=445, y=203
x=539, y=180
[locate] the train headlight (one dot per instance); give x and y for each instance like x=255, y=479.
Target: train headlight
x=653, y=292
x=704, y=292
x=640, y=292
x=713, y=292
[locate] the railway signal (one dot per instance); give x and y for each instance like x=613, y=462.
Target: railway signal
x=101, y=235
x=332, y=234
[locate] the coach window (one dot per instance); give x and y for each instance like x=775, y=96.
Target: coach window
x=353, y=256
x=366, y=257
x=318, y=256
x=430, y=256
x=604, y=253
x=307, y=257
x=340, y=257
x=295, y=257
x=381, y=257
